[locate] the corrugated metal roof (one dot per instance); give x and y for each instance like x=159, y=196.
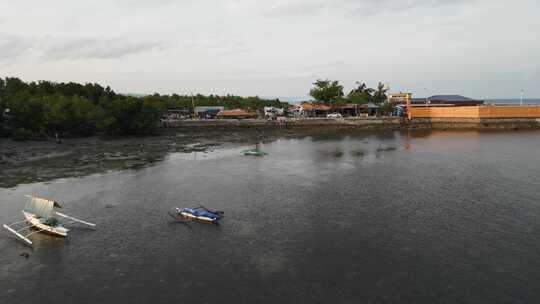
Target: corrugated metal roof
x=449, y=98
x=209, y=108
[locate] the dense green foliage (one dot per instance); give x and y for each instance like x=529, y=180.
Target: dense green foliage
x=361, y=94
x=47, y=108
x=331, y=92
x=327, y=91
x=254, y=104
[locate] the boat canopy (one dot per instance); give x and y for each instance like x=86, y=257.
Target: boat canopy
x=40, y=207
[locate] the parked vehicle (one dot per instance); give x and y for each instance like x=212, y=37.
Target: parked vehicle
x=334, y=115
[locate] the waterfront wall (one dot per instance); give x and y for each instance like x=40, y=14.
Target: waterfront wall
x=288, y=123
x=389, y=123
x=476, y=112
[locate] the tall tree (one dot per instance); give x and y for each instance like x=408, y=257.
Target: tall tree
x=379, y=96
x=361, y=94
x=326, y=91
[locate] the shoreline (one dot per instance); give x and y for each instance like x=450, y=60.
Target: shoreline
x=390, y=123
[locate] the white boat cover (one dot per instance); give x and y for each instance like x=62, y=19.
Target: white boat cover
x=40, y=207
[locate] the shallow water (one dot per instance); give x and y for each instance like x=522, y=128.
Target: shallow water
x=444, y=217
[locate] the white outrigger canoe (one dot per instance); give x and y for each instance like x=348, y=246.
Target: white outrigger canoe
x=39, y=214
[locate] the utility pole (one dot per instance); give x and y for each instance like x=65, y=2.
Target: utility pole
x=521, y=101
x=193, y=103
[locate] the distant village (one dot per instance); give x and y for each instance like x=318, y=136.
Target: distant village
x=46, y=109
x=402, y=105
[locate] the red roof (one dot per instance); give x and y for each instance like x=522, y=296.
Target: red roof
x=236, y=113
x=308, y=106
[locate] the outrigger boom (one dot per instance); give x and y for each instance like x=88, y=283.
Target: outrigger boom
x=74, y=219
x=24, y=238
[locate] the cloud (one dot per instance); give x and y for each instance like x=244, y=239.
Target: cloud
x=218, y=46
x=287, y=43
x=143, y=3
x=95, y=48
x=282, y=8
x=12, y=46
x=294, y=8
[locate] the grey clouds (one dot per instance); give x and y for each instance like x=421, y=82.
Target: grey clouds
x=480, y=48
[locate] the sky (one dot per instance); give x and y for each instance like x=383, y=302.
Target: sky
x=278, y=48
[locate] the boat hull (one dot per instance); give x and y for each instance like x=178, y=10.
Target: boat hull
x=191, y=217
x=58, y=231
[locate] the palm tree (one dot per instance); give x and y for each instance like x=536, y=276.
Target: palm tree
x=361, y=94
x=362, y=89
x=379, y=95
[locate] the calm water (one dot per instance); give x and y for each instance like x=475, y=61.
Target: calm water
x=387, y=218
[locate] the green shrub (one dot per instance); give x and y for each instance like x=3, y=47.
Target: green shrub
x=22, y=134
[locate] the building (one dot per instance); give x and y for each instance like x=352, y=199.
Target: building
x=399, y=98
x=310, y=109
x=208, y=111
x=175, y=114
x=348, y=109
x=475, y=112
x=236, y=114
x=453, y=100
x=372, y=109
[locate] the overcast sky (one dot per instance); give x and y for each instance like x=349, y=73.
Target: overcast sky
x=477, y=48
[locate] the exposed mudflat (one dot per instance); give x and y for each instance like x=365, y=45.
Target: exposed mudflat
x=39, y=161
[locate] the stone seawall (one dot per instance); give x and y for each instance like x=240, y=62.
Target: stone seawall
x=361, y=123
x=474, y=123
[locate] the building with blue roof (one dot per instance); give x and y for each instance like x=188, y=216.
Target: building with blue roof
x=454, y=100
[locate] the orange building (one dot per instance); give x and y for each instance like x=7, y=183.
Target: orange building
x=475, y=112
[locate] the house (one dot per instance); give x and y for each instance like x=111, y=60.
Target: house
x=236, y=114
x=310, y=109
x=371, y=109
x=208, y=111
x=348, y=109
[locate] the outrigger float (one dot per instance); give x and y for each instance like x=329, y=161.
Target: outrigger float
x=40, y=215
x=201, y=214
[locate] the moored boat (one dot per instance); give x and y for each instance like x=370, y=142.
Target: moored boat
x=254, y=152
x=201, y=214
x=41, y=216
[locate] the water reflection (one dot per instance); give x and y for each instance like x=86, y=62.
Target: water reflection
x=392, y=218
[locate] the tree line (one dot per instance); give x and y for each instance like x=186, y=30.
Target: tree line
x=46, y=108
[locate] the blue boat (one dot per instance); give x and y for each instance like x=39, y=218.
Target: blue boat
x=197, y=214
